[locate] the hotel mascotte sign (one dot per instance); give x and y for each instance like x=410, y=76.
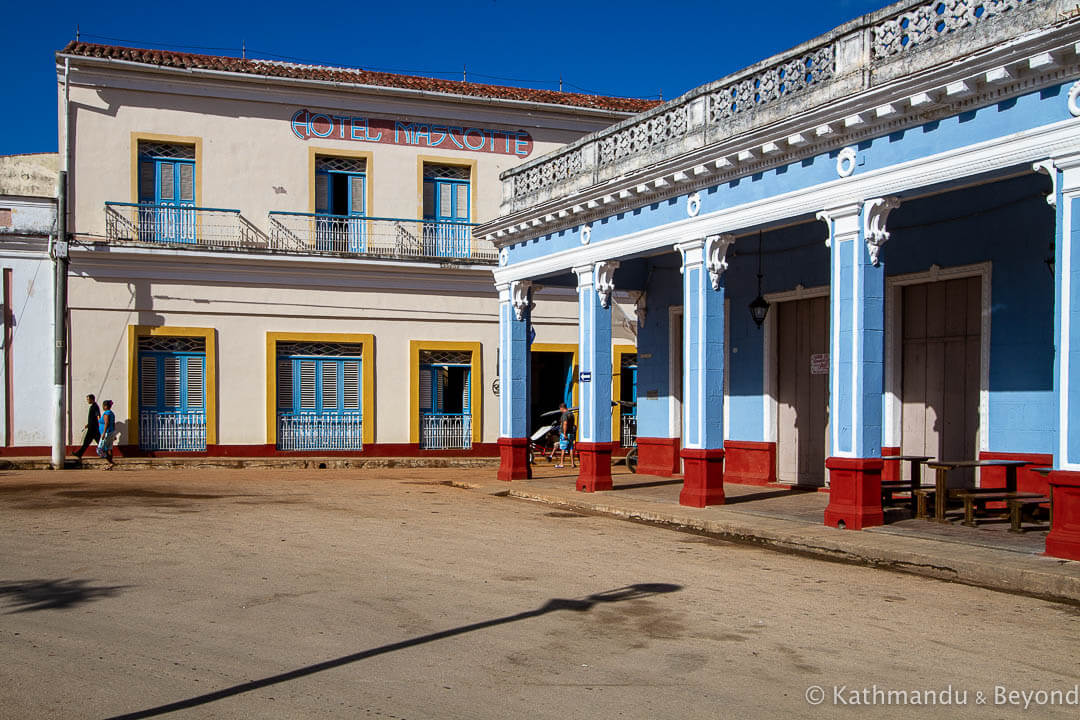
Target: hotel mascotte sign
x=307, y=124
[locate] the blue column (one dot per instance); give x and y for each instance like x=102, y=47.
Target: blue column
x=595, y=286
x=514, y=317
x=704, y=263
x=857, y=360
x=1063, y=540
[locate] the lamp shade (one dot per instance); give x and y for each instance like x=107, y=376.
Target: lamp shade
x=759, y=308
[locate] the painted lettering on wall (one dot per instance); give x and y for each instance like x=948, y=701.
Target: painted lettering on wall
x=307, y=124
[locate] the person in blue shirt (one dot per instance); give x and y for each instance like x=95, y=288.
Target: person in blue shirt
x=107, y=425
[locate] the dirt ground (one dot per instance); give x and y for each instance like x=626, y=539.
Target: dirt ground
x=387, y=593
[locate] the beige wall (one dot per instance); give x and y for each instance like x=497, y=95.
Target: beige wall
x=102, y=308
x=251, y=160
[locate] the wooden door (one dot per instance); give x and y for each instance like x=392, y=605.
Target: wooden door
x=941, y=357
x=802, y=384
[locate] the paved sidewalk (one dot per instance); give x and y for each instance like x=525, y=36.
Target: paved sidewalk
x=781, y=519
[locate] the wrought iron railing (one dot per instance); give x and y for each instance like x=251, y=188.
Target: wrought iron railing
x=179, y=225
x=628, y=437
x=445, y=431
x=320, y=431
x=386, y=237
x=180, y=431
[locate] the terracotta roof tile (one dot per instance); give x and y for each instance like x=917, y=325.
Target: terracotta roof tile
x=273, y=68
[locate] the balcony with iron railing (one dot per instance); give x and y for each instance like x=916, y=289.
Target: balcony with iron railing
x=191, y=227
x=320, y=431
x=180, y=430
x=445, y=431
x=629, y=431
x=377, y=236
x=179, y=226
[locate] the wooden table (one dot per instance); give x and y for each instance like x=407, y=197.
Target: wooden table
x=941, y=470
x=915, y=483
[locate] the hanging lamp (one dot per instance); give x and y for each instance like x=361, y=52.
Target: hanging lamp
x=759, y=308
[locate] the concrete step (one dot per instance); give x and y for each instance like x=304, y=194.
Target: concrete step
x=294, y=463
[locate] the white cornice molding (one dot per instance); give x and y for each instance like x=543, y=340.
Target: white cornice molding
x=991, y=156
x=720, y=162
x=117, y=262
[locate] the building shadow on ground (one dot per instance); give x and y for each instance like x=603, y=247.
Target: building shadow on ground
x=32, y=595
x=623, y=594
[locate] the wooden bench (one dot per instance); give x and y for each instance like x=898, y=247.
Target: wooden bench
x=974, y=500
x=1018, y=505
x=927, y=493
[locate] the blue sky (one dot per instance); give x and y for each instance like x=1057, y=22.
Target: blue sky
x=630, y=48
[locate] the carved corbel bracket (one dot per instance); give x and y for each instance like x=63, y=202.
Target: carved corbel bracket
x=716, y=247
x=605, y=281
x=1047, y=168
x=521, y=297
x=875, y=213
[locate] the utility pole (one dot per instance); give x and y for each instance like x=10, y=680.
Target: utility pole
x=60, y=287
x=60, y=267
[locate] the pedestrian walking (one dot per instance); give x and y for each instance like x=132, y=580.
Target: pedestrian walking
x=107, y=428
x=567, y=432
x=91, y=430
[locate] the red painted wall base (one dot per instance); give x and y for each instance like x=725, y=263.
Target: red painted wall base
x=1063, y=541
x=1026, y=480
x=703, y=477
x=595, y=471
x=749, y=463
x=855, y=493
x=514, y=459
x=890, y=472
x=658, y=456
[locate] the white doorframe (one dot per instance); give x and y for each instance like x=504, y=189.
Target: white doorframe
x=675, y=313
x=770, y=367
x=893, y=408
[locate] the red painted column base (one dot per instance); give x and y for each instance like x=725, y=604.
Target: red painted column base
x=749, y=463
x=1063, y=541
x=891, y=471
x=658, y=456
x=595, y=473
x=703, y=477
x=855, y=493
x=514, y=459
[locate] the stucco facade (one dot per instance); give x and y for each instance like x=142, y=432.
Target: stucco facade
x=254, y=259
x=27, y=220
x=897, y=195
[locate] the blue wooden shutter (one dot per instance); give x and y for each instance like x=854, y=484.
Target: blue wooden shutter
x=427, y=399
x=285, y=384
x=307, y=384
x=196, y=382
x=148, y=379
x=466, y=404
x=350, y=390
x=329, y=381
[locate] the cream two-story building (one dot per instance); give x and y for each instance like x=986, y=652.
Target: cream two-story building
x=269, y=257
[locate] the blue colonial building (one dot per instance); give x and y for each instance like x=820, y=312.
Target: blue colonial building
x=858, y=249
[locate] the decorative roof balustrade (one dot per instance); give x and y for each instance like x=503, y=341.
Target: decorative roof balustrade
x=890, y=45
x=931, y=21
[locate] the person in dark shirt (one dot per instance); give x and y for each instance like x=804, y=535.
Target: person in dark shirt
x=92, y=432
x=567, y=433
